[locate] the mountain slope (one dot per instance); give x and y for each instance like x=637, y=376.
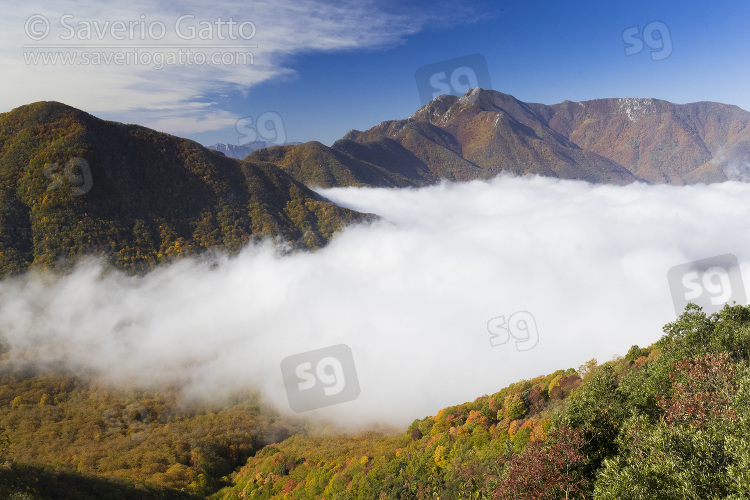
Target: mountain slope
x=71, y=184
x=484, y=133
x=492, y=133
x=315, y=164
x=671, y=420
x=656, y=140
x=76, y=432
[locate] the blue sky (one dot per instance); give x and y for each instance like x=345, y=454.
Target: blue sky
x=323, y=68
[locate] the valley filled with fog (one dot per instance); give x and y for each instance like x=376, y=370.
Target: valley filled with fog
x=411, y=295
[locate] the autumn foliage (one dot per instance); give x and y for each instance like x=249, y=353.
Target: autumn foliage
x=666, y=421
x=547, y=471
x=702, y=391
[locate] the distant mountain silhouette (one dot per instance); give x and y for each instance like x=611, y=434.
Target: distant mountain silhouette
x=242, y=150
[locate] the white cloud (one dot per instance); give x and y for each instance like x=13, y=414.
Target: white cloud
x=137, y=90
x=411, y=296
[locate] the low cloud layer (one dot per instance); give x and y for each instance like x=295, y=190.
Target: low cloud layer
x=411, y=296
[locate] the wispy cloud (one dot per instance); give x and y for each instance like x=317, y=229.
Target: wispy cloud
x=411, y=296
x=179, y=97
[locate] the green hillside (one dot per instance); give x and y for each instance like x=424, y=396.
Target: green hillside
x=671, y=421
x=315, y=164
x=89, y=437
x=72, y=184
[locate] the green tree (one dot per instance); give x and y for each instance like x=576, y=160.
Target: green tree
x=514, y=407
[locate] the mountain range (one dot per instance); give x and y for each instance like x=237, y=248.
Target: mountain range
x=73, y=184
x=484, y=133
x=240, y=151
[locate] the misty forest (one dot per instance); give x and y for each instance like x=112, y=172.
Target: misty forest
x=470, y=303
x=664, y=421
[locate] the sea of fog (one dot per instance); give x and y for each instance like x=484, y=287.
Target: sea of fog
x=584, y=266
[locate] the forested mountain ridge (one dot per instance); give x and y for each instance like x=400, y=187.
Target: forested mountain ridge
x=484, y=133
x=72, y=184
